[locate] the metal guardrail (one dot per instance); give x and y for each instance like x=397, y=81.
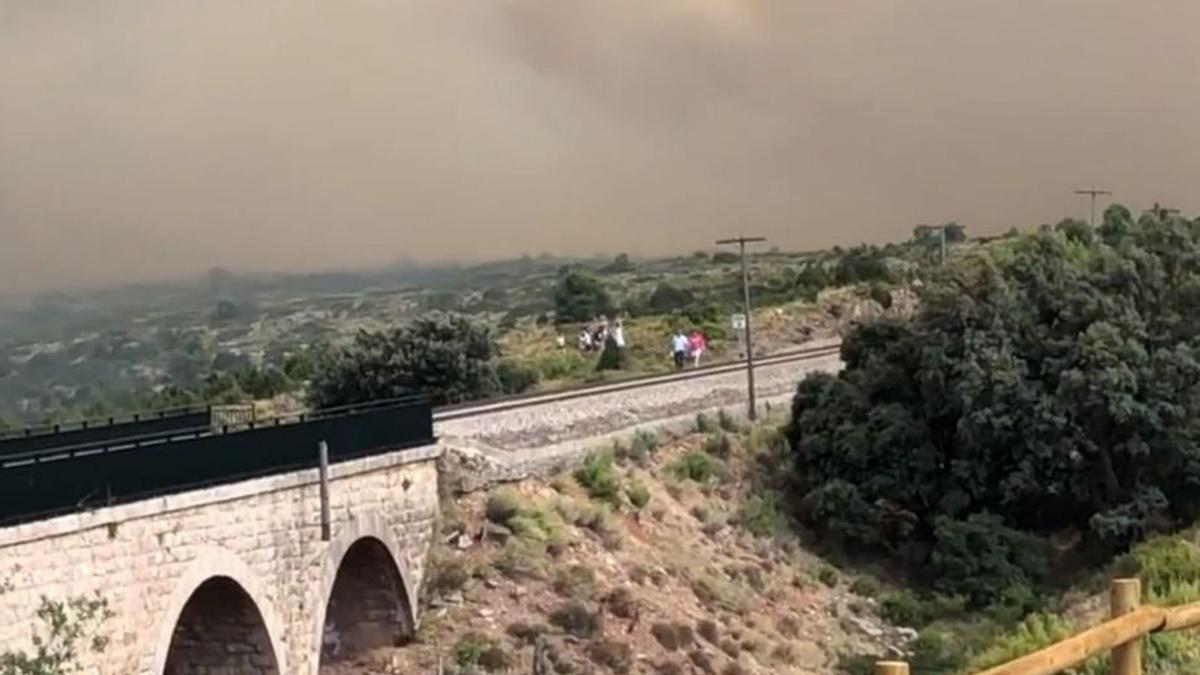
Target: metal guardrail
x=45, y=482
x=101, y=422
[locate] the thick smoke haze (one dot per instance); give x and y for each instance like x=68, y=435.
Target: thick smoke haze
x=158, y=138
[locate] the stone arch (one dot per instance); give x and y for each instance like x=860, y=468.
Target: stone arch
x=365, y=596
x=218, y=601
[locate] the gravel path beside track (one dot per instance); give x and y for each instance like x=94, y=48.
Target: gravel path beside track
x=555, y=422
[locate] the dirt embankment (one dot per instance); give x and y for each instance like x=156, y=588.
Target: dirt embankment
x=675, y=558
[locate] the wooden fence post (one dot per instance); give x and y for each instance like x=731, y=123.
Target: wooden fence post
x=1126, y=596
x=891, y=668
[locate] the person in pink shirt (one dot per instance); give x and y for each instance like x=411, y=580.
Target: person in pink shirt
x=696, y=346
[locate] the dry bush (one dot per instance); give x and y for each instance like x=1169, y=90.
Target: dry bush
x=784, y=652
x=788, y=626
x=575, y=618
x=527, y=633
x=615, y=655
x=673, y=636
x=575, y=581
x=703, y=661
x=522, y=559
x=503, y=504
x=621, y=603
x=707, y=628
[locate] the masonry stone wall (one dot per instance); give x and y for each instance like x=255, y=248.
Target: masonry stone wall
x=259, y=537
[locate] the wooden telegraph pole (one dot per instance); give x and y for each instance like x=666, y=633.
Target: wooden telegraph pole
x=741, y=242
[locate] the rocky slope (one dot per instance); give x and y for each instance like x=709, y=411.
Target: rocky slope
x=673, y=559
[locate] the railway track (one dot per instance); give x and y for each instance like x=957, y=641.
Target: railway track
x=475, y=409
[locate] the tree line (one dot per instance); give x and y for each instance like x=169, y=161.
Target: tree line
x=1045, y=390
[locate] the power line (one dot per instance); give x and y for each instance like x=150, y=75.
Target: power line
x=741, y=242
x=1093, y=192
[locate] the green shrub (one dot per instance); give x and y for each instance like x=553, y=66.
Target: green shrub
x=562, y=364
x=696, y=466
x=907, y=608
x=528, y=521
x=937, y=651
x=598, y=476
x=979, y=557
x=866, y=587
x=643, y=446
x=828, y=576
x=451, y=357
x=516, y=378
x=1035, y=632
x=575, y=618
x=1169, y=568
x=761, y=515
x=579, y=296
x=719, y=445
x=706, y=424
x=469, y=649
x=638, y=494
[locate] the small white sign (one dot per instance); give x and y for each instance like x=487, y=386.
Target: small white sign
x=738, y=321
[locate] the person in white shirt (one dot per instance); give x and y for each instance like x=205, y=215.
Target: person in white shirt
x=618, y=333
x=679, y=348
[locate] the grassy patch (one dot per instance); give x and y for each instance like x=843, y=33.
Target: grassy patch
x=697, y=466
x=761, y=515
x=638, y=494
x=522, y=559
x=719, y=445
x=598, y=476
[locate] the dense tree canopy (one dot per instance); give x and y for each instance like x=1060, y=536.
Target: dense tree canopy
x=1046, y=384
x=579, y=296
x=448, y=356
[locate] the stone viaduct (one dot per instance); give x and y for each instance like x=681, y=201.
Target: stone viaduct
x=236, y=578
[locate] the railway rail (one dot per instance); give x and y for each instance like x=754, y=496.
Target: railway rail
x=495, y=405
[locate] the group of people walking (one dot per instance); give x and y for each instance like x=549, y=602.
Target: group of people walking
x=593, y=335
x=685, y=347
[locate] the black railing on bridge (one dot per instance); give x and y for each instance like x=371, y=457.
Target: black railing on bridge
x=61, y=478
x=29, y=439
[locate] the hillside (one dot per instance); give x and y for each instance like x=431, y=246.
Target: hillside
x=680, y=561
x=234, y=337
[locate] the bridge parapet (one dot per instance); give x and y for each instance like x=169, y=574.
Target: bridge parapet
x=168, y=565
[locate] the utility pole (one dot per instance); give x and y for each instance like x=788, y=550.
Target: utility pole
x=741, y=242
x=1093, y=192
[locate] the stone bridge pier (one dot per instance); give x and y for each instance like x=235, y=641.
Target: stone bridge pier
x=236, y=579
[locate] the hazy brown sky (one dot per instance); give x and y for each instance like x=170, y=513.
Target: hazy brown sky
x=150, y=139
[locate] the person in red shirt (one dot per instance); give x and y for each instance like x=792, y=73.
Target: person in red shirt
x=697, y=346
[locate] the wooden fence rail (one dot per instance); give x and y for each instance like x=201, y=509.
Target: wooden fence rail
x=1122, y=635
